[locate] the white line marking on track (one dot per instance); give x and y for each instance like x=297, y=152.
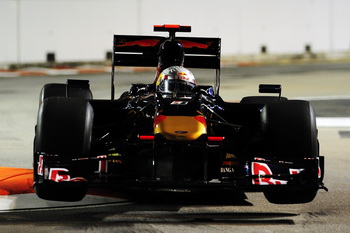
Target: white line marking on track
x=333, y=121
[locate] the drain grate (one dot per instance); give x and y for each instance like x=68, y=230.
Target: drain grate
x=344, y=134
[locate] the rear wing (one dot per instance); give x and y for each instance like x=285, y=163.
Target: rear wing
x=142, y=51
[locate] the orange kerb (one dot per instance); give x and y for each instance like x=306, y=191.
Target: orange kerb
x=16, y=181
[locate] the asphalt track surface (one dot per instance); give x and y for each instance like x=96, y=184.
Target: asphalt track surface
x=327, y=86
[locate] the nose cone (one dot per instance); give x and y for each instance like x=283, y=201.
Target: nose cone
x=180, y=128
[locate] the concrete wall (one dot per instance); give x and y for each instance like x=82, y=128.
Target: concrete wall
x=78, y=30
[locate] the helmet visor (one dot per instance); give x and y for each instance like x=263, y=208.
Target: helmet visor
x=176, y=86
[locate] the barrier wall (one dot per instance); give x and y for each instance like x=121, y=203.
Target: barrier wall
x=78, y=30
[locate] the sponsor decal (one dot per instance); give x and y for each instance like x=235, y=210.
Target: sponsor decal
x=141, y=43
x=102, y=164
x=294, y=171
x=116, y=155
x=259, y=159
x=40, y=165
x=230, y=156
x=191, y=44
x=181, y=132
x=59, y=174
x=179, y=102
x=230, y=161
x=319, y=171
x=227, y=170
x=183, y=76
x=262, y=170
x=246, y=169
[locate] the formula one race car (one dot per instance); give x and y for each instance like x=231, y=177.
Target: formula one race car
x=172, y=133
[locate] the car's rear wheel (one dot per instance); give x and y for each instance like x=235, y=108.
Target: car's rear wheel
x=51, y=90
x=290, y=129
x=290, y=132
x=64, y=129
x=64, y=90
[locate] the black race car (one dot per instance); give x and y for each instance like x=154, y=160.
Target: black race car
x=172, y=133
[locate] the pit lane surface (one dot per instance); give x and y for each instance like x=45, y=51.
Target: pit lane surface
x=327, y=86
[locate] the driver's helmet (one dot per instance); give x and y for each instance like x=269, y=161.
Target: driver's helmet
x=176, y=81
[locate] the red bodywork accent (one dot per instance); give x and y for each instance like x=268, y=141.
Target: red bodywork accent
x=215, y=139
x=190, y=44
x=141, y=43
x=172, y=27
x=168, y=26
x=146, y=137
x=159, y=119
x=201, y=119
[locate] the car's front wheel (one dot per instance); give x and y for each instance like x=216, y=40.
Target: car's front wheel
x=290, y=132
x=63, y=130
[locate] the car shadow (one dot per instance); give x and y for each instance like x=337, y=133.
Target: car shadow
x=154, y=208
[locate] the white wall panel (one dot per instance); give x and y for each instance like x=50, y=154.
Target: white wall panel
x=78, y=30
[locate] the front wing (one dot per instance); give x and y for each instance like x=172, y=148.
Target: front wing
x=256, y=174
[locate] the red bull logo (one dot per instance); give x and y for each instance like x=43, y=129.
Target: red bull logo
x=141, y=43
x=191, y=44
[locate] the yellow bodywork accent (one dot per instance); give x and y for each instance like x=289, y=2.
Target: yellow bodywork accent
x=180, y=128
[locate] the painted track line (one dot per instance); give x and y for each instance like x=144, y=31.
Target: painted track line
x=333, y=121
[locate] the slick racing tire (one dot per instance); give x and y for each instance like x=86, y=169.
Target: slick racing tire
x=298, y=196
x=51, y=90
x=60, y=90
x=64, y=191
x=290, y=130
x=64, y=129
